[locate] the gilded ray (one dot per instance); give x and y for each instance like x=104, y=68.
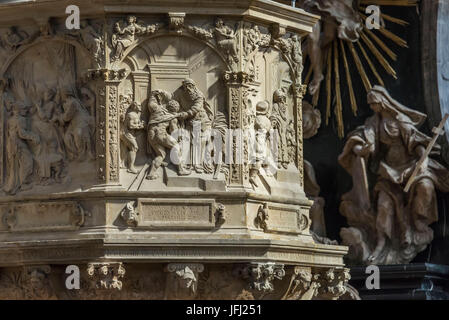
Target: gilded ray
x=360, y=68
x=348, y=79
x=381, y=44
x=371, y=65
x=338, y=104
x=328, y=85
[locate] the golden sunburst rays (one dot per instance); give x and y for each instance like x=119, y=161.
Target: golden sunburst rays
x=367, y=54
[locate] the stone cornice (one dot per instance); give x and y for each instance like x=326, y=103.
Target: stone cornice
x=262, y=11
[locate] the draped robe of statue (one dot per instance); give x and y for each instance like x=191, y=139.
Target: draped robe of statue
x=389, y=147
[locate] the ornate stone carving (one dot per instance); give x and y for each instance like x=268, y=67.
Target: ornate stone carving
x=280, y=123
x=106, y=275
x=262, y=217
x=176, y=21
x=262, y=275
x=182, y=280
x=387, y=224
x=226, y=40
x=333, y=283
x=311, y=118
x=220, y=214
x=130, y=215
x=125, y=34
x=92, y=40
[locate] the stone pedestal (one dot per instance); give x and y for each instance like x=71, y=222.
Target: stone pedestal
x=416, y=281
x=91, y=121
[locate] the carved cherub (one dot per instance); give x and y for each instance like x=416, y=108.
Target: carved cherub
x=132, y=124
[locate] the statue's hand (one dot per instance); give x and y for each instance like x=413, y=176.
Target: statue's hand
x=361, y=150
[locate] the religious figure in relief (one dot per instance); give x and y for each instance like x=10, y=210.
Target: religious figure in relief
x=387, y=224
x=19, y=159
x=340, y=19
x=78, y=137
x=279, y=122
x=91, y=40
x=198, y=117
x=163, y=121
x=49, y=153
x=132, y=123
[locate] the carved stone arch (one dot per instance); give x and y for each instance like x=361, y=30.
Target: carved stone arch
x=24, y=48
x=165, y=34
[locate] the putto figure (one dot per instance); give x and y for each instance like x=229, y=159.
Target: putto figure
x=132, y=124
x=388, y=225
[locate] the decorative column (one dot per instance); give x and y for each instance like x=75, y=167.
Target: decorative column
x=237, y=153
x=299, y=91
x=107, y=124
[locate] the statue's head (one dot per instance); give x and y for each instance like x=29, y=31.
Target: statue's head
x=131, y=19
x=173, y=106
x=376, y=101
x=262, y=108
x=219, y=23
x=135, y=106
x=279, y=96
x=189, y=87
x=161, y=96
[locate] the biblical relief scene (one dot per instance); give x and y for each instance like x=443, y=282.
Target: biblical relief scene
x=223, y=150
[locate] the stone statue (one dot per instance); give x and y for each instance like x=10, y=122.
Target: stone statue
x=19, y=159
x=49, y=153
x=199, y=114
x=387, y=224
x=226, y=40
x=262, y=127
x=296, y=56
x=132, y=124
x=340, y=18
x=14, y=38
x=78, y=137
x=123, y=38
x=251, y=38
x=163, y=121
x=279, y=122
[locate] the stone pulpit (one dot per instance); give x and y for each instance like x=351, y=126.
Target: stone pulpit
x=156, y=147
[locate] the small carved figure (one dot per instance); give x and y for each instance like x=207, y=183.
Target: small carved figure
x=123, y=38
x=226, y=40
x=262, y=127
x=296, y=55
x=251, y=38
x=79, y=132
x=393, y=227
x=132, y=124
x=279, y=122
x=19, y=159
x=161, y=122
x=340, y=18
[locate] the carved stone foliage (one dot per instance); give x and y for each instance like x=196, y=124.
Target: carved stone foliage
x=106, y=275
x=388, y=225
x=261, y=276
